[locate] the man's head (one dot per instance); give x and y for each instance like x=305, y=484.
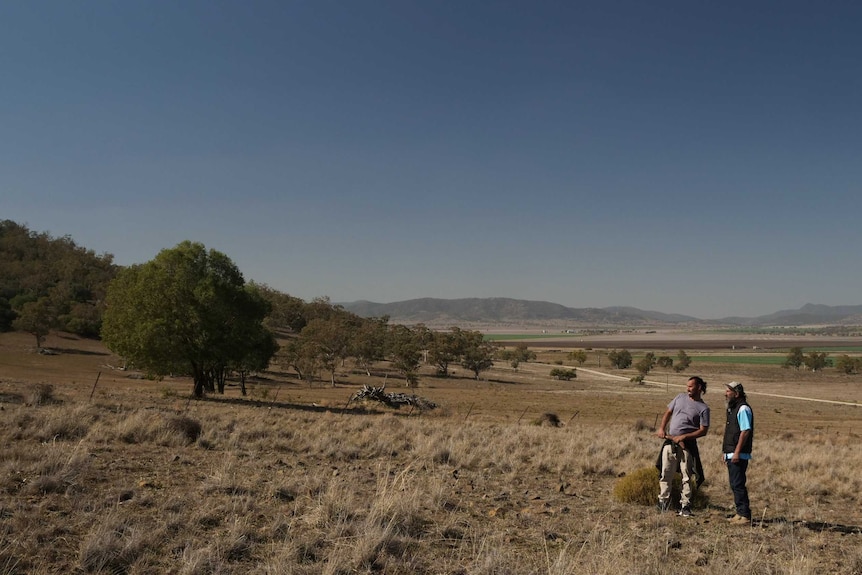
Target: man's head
x=734, y=391
x=695, y=387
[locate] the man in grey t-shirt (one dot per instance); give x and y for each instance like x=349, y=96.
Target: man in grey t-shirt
x=688, y=416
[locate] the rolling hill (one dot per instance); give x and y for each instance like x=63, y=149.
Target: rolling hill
x=489, y=311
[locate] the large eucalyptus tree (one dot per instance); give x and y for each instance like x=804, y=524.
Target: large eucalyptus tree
x=187, y=311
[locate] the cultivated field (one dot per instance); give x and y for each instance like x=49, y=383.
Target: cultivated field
x=104, y=472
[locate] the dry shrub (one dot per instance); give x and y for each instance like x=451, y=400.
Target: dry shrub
x=112, y=546
x=187, y=427
x=548, y=420
x=65, y=424
x=58, y=469
x=143, y=426
x=639, y=487
x=641, y=425
x=135, y=427
x=41, y=394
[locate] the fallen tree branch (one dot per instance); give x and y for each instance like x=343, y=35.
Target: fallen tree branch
x=394, y=400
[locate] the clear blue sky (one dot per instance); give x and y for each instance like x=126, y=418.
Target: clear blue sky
x=702, y=158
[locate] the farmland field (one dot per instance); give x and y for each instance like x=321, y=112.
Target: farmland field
x=106, y=476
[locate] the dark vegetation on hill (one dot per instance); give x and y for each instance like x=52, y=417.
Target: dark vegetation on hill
x=44, y=276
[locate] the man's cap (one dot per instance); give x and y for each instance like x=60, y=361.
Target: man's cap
x=735, y=387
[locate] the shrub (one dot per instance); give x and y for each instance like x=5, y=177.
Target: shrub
x=548, y=420
x=641, y=487
x=187, y=427
x=566, y=374
x=41, y=394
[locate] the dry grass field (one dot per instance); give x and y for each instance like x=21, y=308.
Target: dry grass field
x=104, y=472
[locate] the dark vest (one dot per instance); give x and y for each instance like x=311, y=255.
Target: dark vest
x=732, y=431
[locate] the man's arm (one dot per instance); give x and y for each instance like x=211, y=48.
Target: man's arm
x=742, y=437
x=743, y=416
x=699, y=432
x=664, y=421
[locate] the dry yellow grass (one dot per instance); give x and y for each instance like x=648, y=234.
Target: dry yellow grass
x=295, y=484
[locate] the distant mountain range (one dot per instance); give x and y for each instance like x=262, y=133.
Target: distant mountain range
x=505, y=311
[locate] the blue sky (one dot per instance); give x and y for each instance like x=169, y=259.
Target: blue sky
x=702, y=158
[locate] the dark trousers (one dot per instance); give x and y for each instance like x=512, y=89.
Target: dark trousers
x=736, y=474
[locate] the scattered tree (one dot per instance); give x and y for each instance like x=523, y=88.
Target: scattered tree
x=478, y=353
x=578, y=355
x=404, y=348
x=849, y=365
x=368, y=344
x=515, y=356
x=301, y=354
x=795, y=358
x=645, y=364
x=682, y=361
x=816, y=361
x=36, y=318
x=620, y=359
x=444, y=349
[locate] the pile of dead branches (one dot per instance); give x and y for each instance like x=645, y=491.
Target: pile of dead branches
x=395, y=400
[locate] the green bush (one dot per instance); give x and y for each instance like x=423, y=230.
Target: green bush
x=566, y=374
x=641, y=487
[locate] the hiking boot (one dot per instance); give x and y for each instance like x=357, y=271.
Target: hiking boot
x=739, y=520
x=663, y=506
x=685, y=511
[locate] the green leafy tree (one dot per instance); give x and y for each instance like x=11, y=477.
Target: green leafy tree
x=444, y=349
x=849, y=365
x=683, y=360
x=405, y=350
x=287, y=314
x=645, y=364
x=579, y=356
x=620, y=359
x=523, y=353
x=478, y=353
x=368, y=342
x=261, y=347
x=795, y=358
x=36, y=318
x=301, y=355
x=816, y=361
x=520, y=353
x=330, y=337
x=185, y=311
x=665, y=361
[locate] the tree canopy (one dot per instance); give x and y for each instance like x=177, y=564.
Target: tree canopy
x=187, y=311
x=620, y=359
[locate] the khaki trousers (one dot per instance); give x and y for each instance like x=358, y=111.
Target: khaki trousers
x=674, y=457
